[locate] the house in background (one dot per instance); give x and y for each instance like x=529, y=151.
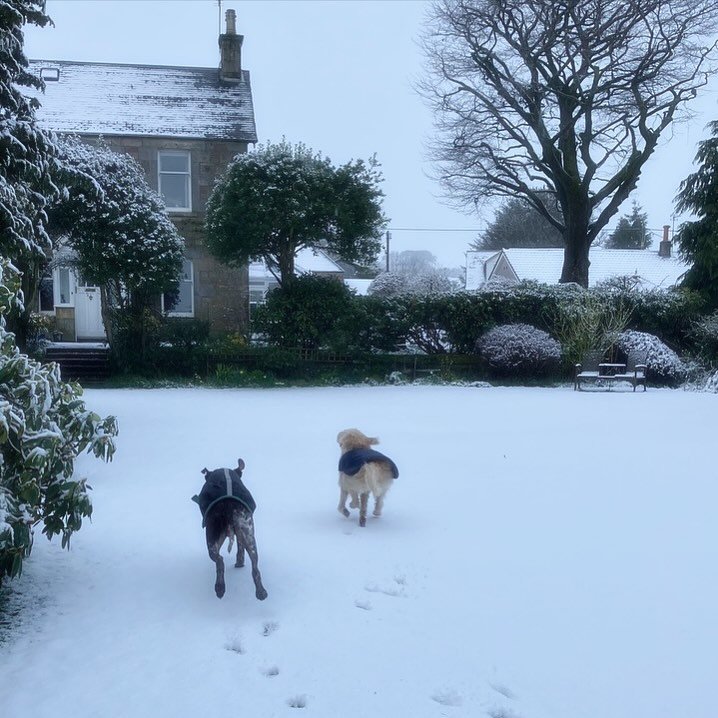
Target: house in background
x=646, y=269
x=183, y=125
x=306, y=261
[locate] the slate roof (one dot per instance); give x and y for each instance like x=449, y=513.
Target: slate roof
x=544, y=265
x=98, y=98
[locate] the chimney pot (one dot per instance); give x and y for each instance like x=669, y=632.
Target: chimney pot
x=231, y=19
x=230, y=50
x=664, y=248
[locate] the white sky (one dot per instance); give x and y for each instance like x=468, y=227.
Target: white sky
x=338, y=76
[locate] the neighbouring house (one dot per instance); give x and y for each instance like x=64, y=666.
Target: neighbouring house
x=306, y=261
x=183, y=125
x=645, y=268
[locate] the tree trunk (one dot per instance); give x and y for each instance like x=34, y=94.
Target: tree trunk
x=106, y=315
x=18, y=322
x=575, y=264
x=576, y=239
x=286, y=265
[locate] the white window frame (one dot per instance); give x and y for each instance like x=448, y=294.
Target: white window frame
x=189, y=281
x=187, y=174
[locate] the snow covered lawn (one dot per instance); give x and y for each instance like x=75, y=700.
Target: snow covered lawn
x=543, y=554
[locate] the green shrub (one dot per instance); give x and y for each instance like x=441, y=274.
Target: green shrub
x=312, y=312
x=44, y=426
x=704, y=334
x=590, y=321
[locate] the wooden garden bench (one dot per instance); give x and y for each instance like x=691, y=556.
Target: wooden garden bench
x=596, y=371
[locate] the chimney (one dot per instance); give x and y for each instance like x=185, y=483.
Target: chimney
x=230, y=50
x=664, y=248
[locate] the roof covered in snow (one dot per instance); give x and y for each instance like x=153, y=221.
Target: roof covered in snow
x=97, y=98
x=544, y=265
x=307, y=261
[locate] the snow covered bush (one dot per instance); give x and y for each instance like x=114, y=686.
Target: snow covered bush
x=520, y=349
x=280, y=198
x=664, y=366
x=44, y=425
x=393, y=284
x=389, y=284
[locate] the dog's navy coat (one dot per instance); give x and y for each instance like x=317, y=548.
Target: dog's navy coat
x=352, y=462
x=223, y=484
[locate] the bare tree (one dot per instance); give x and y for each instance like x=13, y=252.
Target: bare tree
x=565, y=97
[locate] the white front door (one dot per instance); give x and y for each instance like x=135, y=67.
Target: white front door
x=88, y=312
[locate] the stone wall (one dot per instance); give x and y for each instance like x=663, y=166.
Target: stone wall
x=221, y=294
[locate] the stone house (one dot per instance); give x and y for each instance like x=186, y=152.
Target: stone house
x=183, y=125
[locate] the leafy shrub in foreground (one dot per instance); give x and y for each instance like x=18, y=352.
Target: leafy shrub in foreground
x=44, y=426
x=520, y=349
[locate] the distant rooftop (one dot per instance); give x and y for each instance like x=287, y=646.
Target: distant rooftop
x=544, y=265
x=306, y=261
x=97, y=98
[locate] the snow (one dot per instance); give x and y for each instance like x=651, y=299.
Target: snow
x=528, y=564
x=544, y=265
x=101, y=98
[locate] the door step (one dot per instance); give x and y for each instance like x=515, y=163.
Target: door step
x=86, y=363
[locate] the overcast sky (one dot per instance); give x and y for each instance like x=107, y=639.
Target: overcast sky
x=338, y=76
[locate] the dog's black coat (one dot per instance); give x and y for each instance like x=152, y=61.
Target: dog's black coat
x=216, y=487
x=227, y=512
x=352, y=462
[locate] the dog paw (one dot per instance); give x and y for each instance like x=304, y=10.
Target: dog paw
x=269, y=628
x=344, y=512
x=297, y=701
x=270, y=671
x=447, y=697
x=364, y=605
x=261, y=594
x=219, y=589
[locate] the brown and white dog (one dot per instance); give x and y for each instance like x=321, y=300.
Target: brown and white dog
x=362, y=471
x=227, y=512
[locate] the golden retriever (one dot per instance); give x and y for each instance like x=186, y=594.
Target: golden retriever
x=362, y=471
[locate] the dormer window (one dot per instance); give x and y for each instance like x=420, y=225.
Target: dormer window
x=50, y=74
x=175, y=179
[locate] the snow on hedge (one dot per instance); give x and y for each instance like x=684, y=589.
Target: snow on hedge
x=664, y=365
x=519, y=348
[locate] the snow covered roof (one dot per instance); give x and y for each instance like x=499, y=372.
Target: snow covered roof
x=306, y=261
x=98, y=98
x=544, y=265
x=477, y=271
x=315, y=261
